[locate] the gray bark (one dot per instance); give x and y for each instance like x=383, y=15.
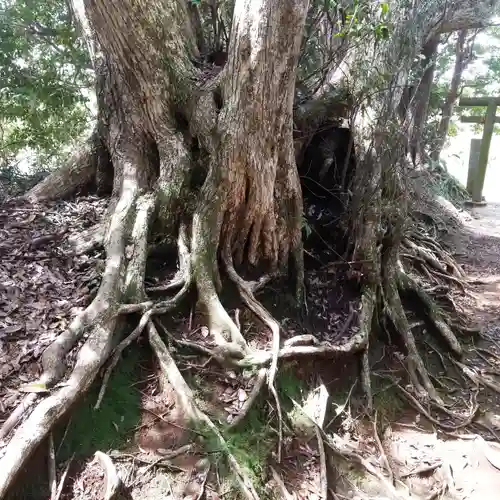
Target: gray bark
x=462, y=58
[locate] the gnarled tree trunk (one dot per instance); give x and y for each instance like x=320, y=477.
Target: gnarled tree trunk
x=153, y=118
x=162, y=126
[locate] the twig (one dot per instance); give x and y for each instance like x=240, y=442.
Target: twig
x=63, y=478
x=414, y=402
x=422, y=469
x=383, y=456
x=52, y=468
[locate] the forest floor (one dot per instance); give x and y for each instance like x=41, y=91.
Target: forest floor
x=464, y=464
x=44, y=281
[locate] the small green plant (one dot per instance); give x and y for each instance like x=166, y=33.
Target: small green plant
x=388, y=404
x=250, y=443
x=306, y=227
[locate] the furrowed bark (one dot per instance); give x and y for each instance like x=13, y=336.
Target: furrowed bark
x=250, y=204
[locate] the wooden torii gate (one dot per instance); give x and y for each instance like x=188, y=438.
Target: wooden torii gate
x=480, y=149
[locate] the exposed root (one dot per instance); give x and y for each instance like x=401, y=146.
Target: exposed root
x=183, y=274
x=118, y=352
x=136, y=333
x=406, y=284
x=478, y=378
x=342, y=449
x=247, y=405
x=426, y=255
x=113, y=481
x=77, y=172
x=366, y=379
x=281, y=485
x=383, y=456
x=195, y=415
x=16, y=416
x=100, y=319
x=259, y=310
x=52, y=468
x=394, y=309
x=415, y=403
x=35, y=428
x=87, y=240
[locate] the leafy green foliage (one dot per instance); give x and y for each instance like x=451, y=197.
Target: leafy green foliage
x=45, y=77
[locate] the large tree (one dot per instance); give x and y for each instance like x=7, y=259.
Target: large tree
x=207, y=158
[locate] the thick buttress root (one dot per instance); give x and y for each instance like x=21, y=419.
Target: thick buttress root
x=132, y=212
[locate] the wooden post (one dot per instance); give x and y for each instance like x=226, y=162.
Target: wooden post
x=475, y=145
x=482, y=162
x=477, y=182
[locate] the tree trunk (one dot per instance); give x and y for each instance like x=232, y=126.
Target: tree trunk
x=421, y=98
x=161, y=124
x=251, y=200
x=462, y=58
x=77, y=174
x=155, y=116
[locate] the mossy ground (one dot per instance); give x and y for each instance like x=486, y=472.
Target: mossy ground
x=253, y=441
x=88, y=430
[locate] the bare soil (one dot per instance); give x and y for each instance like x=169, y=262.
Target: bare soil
x=42, y=281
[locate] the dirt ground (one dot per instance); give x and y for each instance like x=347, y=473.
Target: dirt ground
x=461, y=465
x=138, y=424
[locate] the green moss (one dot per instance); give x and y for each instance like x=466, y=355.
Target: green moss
x=111, y=426
x=388, y=403
x=289, y=386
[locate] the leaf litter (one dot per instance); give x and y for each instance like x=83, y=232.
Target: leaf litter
x=43, y=283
